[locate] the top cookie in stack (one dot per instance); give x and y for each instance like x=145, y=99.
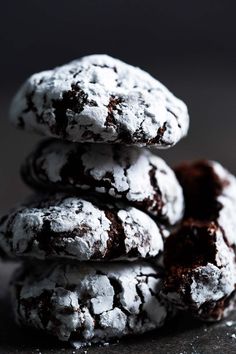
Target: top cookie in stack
x=113, y=201
x=100, y=99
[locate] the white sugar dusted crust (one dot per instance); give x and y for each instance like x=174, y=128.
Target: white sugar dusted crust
x=60, y=226
x=90, y=302
x=128, y=173
x=100, y=99
x=200, y=256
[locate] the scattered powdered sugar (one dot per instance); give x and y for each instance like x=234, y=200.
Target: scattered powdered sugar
x=229, y=323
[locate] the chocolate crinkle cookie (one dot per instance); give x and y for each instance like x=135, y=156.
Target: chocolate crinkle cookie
x=90, y=302
x=129, y=173
x=201, y=269
x=200, y=256
x=100, y=99
x=63, y=227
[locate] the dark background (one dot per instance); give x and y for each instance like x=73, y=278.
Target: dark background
x=188, y=45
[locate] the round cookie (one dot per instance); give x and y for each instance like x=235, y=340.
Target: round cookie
x=60, y=227
x=200, y=256
x=90, y=302
x=128, y=173
x=100, y=99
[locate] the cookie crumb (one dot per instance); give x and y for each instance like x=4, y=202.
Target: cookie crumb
x=229, y=323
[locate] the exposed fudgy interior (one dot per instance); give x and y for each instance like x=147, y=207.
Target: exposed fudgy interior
x=201, y=187
x=191, y=246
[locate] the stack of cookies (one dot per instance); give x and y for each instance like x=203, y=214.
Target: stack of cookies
x=106, y=209
x=104, y=203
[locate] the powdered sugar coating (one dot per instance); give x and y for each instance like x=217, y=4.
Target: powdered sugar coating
x=100, y=99
x=90, y=302
x=60, y=226
x=129, y=173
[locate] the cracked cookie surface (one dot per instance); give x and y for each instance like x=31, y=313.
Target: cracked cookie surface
x=100, y=99
x=90, y=302
x=200, y=256
x=60, y=226
x=129, y=173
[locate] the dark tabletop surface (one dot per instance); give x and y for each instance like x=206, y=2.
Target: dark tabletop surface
x=209, y=89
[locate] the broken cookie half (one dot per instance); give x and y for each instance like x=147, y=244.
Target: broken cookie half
x=200, y=256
